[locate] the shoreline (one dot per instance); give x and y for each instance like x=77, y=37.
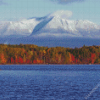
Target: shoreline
x=49, y=64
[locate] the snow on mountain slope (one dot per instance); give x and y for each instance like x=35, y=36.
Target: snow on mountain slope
x=55, y=24
x=58, y=25
x=21, y=28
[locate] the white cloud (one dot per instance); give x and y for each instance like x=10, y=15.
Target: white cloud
x=62, y=14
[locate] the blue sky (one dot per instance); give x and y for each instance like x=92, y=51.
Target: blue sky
x=20, y=9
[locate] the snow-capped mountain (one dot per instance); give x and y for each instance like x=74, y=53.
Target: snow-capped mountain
x=56, y=24
x=18, y=28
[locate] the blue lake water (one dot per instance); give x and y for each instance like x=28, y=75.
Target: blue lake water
x=49, y=82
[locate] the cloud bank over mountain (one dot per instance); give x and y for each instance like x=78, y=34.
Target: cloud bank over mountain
x=62, y=14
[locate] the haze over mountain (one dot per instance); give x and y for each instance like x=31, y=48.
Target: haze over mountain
x=56, y=24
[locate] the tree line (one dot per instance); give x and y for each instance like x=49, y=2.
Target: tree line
x=33, y=54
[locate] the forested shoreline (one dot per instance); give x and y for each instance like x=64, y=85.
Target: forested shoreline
x=33, y=54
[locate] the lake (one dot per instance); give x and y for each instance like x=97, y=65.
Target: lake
x=49, y=82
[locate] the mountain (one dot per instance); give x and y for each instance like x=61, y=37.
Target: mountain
x=55, y=24
x=52, y=30
x=18, y=28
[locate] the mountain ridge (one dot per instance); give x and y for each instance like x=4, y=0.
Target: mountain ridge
x=56, y=24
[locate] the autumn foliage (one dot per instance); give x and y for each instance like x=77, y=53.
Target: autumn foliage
x=33, y=54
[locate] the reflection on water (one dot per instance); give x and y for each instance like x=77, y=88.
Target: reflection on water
x=41, y=83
